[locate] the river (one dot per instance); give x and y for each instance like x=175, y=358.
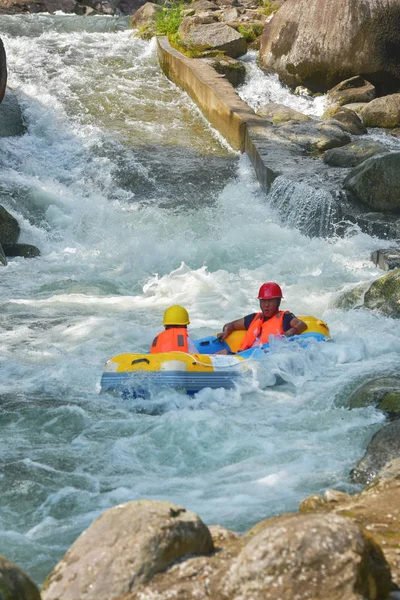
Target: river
x=136, y=203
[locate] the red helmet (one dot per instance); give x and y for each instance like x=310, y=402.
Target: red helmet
x=269, y=290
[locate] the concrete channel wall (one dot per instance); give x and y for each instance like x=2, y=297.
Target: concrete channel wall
x=224, y=109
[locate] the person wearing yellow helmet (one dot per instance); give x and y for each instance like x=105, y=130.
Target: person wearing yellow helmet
x=175, y=337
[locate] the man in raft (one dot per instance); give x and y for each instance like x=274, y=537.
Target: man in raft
x=175, y=337
x=270, y=321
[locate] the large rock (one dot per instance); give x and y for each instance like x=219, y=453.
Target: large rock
x=14, y=583
x=145, y=18
x=384, y=447
x=382, y=112
x=215, y=36
x=318, y=43
x=125, y=547
x=3, y=71
x=353, y=154
x=3, y=259
x=355, y=89
x=37, y=6
x=348, y=121
x=376, y=182
x=279, y=113
x=11, y=120
x=314, y=136
x=24, y=250
x=384, y=294
x=9, y=228
x=382, y=392
x=309, y=556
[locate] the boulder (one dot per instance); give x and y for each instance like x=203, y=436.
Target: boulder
x=204, y=5
x=308, y=556
x=354, y=153
x=125, y=547
x=24, y=250
x=38, y=6
x=9, y=228
x=355, y=89
x=14, y=583
x=387, y=259
x=382, y=392
x=231, y=14
x=11, y=120
x=215, y=36
x=384, y=447
x=382, y=112
x=3, y=70
x=318, y=43
x=189, y=23
x=376, y=182
x=355, y=106
x=314, y=136
x=279, y=113
x=348, y=121
x=145, y=17
x=384, y=294
x=232, y=69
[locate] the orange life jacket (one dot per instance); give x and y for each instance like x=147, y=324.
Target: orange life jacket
x=260, y=330
x=171, y=340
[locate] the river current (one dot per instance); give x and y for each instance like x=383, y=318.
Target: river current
x=136, y=203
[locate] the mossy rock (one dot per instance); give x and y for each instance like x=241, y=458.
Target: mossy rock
x=390, y=402
x=14, y=583
x=351, y=298
x=384, y=294
x=382, y=392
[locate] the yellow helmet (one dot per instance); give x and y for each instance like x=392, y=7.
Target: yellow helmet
x=176, y=315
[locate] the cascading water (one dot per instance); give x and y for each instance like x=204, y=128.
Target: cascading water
x=137, y=204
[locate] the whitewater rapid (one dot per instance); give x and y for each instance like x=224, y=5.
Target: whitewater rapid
x=137, y=204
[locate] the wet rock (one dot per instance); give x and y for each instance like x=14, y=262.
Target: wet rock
x=384, y=447
x=279, y=113
x=354, y=153
x=387, y=259
x=359, y=37
x=125, y=547
x=215, y=36
x=352, y=298
x=384, y=294
x=315, y=136
x=355, y=89
x=382, y=112
x=9, y=228
x=144, y=19
x=308, y=556
x=37, y=6
x=232, y=69
x=3, y=70
x=391, y=470
x=24, y=250
x=348, y=121
x=382, y=392
x=3, y=260
x=14, y=583
x=378, y=173
x=11, y=120
x=302, y=91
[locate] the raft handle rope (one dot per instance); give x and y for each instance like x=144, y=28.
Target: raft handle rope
x=139, y=360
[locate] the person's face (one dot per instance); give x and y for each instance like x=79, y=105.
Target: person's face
x=269, y=308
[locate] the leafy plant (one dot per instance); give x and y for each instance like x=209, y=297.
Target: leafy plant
x=250, y=32
x=269, y=6
x=168, y=20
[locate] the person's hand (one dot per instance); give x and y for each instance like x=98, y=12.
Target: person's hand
x=226, y=330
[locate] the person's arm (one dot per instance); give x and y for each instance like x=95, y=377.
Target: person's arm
x=297, y=326
x=228, y=328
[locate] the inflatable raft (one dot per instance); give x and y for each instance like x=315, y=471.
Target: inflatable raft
x=138, y=375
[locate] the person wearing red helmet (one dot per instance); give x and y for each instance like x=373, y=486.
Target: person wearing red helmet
x=269, y=321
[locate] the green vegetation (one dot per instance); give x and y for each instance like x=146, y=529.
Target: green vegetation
x=269, y=6
x=168, y=21
x=251, y=31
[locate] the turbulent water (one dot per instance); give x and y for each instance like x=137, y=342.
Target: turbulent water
x=137, y=204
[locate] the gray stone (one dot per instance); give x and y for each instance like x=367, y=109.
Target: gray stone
x=354, y=153
x=279, y=113
x=3, y=260
x=387, y=259
x=11, y=120
x=382, y=112
x=231, y=14
x=315, y=136
x=376, y=182
x=204, y=5
x=9, y=228
x=358, y=37
x=348, y=121
x=383, y=448
x=14, y=583
x=215, y=36
x=145, y=16
x=381, y=392
x=355, y=89
x=307, y=556
x=24, y=250
x=125, y=547
x=3, y=70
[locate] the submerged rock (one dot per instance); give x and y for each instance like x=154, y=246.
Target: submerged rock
x=308, y=556
x=358, y=37
x=382, y=112
x=384, y=447
x=354, y=153
x=14, y=583
x=376, y=182
x=125, y=547
x=355, y=89
x=382, y=392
